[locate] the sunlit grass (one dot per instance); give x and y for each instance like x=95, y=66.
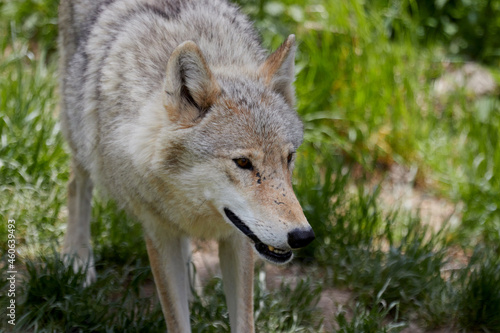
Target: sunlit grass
x=33, y=160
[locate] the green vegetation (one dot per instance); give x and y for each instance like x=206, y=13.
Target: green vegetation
x=53, y=300
x=365, y=85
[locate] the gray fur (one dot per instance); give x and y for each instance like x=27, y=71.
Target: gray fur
x=159, y=98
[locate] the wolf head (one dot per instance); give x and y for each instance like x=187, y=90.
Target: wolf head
x=236, y=136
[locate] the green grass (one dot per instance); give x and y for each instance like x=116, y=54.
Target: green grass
x=364, y=88
x=478, y=301
x=33, y=160
x=370, y=320
x=53, y=299
x=368, y=95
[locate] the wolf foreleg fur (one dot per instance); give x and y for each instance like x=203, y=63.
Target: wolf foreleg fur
x=77, y=238
x=236, y=260
x=168, y=262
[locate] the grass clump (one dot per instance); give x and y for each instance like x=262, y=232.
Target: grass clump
x=272, y=316
x=407, y=271
x=370, y=320
x=478, y=299
x=54, y=298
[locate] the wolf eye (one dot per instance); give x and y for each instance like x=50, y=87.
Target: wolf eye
x=243, y=163
x=289, y=158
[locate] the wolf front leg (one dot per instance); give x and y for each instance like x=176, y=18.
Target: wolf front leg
x=77, y=237
x=236, y=261
x=169, y=263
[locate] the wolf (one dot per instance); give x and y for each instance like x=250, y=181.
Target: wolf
x=177, y=112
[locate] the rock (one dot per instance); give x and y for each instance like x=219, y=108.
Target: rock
x=473, y=78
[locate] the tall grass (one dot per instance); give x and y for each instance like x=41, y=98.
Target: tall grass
x=33, y=161
x=358, y=86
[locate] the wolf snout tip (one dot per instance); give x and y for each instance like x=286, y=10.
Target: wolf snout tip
x=298, y=238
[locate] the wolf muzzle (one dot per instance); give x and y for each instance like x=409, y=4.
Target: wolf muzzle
x=297, y=238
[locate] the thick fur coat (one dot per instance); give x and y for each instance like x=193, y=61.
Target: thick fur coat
x=177, y=112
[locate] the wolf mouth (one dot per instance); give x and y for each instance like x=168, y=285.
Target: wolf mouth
x=267, y=251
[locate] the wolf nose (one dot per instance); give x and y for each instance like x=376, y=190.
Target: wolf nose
x=298, y=238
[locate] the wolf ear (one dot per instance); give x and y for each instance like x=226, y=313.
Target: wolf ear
x=278, y=70
x=190, y=87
